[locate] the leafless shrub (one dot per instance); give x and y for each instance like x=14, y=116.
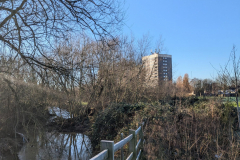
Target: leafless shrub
x=191, y=133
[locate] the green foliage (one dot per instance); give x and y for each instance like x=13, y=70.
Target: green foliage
x=111, y=120
x=229, y=114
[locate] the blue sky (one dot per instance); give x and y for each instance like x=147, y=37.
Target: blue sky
x=198, y=34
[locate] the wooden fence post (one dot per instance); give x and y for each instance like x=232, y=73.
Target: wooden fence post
x=141, y=134
x=122, y=156
x=132, y=144
x=109, y=145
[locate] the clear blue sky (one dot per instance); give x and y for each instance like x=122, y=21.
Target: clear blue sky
x=197, y=33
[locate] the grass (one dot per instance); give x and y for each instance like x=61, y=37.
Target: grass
x=84, y=103
x=224, y=100
x=231, y=101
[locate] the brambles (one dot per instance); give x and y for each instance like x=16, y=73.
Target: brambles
x=202, y=130
x=110, y=121
x=195, y=132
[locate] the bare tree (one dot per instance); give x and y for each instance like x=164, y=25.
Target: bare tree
x=229, y=75
x=196, y=84
x=30, y=28
x=144, y=45
x=159, y=46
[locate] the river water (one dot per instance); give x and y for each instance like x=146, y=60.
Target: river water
x=43, y=145
x=56, y=146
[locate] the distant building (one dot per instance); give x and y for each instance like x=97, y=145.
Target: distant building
x=158, y=67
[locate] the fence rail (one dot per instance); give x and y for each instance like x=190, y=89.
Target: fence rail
x=108, y=148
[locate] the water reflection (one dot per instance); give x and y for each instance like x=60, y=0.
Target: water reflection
x=59, y=112
x=56, y=146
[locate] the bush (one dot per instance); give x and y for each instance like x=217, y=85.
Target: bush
x=110, y=121
x=194, y=132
